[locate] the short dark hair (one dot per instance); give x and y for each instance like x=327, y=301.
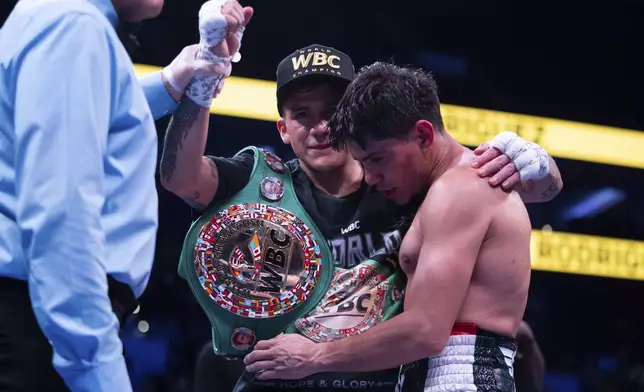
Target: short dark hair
x=385, y=101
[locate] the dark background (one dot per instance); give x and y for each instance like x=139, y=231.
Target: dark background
x=570, y=60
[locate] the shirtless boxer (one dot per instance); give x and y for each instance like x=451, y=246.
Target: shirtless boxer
x=466, y=254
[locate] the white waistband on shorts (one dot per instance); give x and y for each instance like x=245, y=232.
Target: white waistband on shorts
x=465, y=362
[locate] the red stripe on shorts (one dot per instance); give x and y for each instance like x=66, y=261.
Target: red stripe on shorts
x=464, y=329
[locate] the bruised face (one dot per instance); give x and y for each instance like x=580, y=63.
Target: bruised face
x=397, y=167
x=306, y=113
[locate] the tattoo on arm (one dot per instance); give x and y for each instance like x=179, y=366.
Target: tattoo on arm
x=193, y=201
x=551, y=191
x=178, y=129
x=529, y=187
x=555, y=182
x=538, y=191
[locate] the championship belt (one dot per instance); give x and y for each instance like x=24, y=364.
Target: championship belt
x=256, y=262
x=358, y=298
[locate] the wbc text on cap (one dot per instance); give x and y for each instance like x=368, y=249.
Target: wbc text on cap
x=312, y=60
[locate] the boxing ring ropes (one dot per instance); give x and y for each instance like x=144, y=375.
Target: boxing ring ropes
x=551, y=251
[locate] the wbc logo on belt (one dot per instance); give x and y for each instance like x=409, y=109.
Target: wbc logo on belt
x=257, y=261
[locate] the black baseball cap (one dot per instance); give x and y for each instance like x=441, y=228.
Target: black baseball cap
x=313, y=60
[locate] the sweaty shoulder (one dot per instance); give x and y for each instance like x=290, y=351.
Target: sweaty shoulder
x=460, y=194
x=462, y=183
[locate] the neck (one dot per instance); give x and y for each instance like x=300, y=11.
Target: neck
x=448, y=153
x=339, y=182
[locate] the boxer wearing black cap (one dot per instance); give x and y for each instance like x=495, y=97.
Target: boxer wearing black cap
x=355, y=219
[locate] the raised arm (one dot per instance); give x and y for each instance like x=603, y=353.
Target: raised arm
x=184, y=170
x=62, y=120
x=199, y=180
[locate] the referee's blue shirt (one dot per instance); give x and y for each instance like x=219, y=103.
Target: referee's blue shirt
x=78, y=150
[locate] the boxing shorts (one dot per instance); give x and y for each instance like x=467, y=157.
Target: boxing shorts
x=474, y=360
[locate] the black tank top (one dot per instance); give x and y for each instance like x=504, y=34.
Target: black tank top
x=358, y=225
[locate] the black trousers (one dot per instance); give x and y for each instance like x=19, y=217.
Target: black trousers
x=25, y=353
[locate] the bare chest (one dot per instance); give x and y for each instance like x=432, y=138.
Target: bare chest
x=410, y=249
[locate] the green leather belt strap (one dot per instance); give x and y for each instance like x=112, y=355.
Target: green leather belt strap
x=237, y=327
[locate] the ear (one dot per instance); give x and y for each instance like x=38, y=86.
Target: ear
x=281, y=128
x=424, y=133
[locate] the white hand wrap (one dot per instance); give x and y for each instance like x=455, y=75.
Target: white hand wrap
x=530, y=159
x=212, y=30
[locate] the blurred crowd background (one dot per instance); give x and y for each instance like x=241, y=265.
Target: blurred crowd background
x=568, y=60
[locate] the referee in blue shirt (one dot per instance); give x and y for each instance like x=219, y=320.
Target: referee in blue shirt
x=78, y=201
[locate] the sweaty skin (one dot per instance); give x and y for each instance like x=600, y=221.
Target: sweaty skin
x=476, y=246
x=467, y=259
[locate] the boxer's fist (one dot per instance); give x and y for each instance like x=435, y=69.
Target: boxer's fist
x=221, y=27
x=185, y=66
x=237, y=18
